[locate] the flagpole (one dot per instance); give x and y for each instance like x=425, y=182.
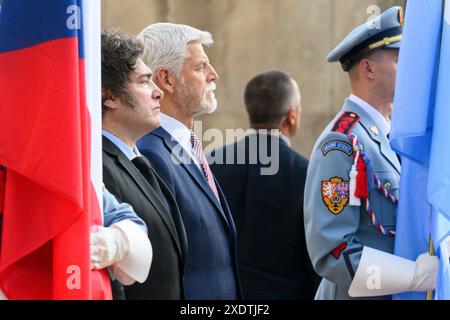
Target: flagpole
x=432, y=253
x=431, y=249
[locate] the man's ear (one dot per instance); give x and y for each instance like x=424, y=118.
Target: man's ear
x=289, y=124
x=165, y=80
x=109, y=100
x=291, y=116
x=367, y=68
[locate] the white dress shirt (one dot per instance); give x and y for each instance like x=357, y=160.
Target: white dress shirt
x=384, y=124
x=180, y=133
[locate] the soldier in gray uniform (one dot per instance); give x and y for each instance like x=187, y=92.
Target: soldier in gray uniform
x=353, y=178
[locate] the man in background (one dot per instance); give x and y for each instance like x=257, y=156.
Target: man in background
x=268, y=208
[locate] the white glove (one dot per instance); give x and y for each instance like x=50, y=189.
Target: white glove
x=380, y=273
x=126, y=248
x=425, y=277
x=108, y=246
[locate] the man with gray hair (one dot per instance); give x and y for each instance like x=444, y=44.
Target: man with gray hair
x=183, y=72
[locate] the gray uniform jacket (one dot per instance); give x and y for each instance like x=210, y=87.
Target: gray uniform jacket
x=335, y=231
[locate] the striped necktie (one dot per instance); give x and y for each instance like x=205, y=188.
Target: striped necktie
x=197, y=151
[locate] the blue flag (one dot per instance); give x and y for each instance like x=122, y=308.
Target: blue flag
x=420, y=134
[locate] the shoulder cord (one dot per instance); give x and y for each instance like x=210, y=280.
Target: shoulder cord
x=362, y=181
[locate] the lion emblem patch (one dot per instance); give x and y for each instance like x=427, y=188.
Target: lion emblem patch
x=335, y=194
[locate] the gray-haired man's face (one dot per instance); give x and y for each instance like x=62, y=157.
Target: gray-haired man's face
x=195, y=89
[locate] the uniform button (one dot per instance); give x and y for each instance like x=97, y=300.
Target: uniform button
x=387, y=186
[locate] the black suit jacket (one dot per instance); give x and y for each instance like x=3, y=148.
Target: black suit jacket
x=268, y=212
x=124, y=181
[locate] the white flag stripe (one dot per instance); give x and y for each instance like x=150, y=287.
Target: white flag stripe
x=91, y=26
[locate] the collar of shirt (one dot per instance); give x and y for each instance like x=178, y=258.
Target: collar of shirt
x=286, y=139
x=179, y=132
x=384, y=124
x=127, y=151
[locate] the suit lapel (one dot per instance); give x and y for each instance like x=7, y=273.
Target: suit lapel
x=146, y=189
x=375, y=134
x=181, y=157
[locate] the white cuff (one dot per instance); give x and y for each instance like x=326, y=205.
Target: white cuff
x=380, y=273
x=137, y=262
x=121, y=276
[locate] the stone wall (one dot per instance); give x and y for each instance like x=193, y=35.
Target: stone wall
x=257, y=35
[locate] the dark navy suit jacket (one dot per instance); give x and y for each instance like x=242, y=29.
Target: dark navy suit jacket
x=268, y=211
x=211, y=264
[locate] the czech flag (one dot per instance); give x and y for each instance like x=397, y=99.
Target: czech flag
x=50, y=158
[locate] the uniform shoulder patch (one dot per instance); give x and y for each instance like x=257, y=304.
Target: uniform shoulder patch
x=337, y=145
x=346, y=123
x=335, y=194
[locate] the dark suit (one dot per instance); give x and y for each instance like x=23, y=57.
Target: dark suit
x=126, y=182
x=211, y=267
x=268, y=211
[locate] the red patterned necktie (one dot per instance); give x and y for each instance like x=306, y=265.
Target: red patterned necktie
x=197, y=151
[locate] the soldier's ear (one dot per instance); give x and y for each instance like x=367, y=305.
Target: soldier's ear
x=367, y=69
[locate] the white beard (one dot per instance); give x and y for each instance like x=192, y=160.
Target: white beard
x=209, y=107
x=204, y=106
